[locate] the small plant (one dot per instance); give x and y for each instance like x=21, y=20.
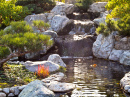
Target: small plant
x=41, y=25
x=62, y=69
x=42, y=71
x=83, y=4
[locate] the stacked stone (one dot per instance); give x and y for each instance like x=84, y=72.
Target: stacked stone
x=11, y=92
x=15, y=91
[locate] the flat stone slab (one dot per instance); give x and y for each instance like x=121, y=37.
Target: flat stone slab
x=33, y=66
x=61, y=87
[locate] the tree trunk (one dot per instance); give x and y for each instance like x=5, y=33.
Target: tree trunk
x=11, y=56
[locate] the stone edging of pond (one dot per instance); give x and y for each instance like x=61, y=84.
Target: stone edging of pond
x=15, y=91
x=125, y=83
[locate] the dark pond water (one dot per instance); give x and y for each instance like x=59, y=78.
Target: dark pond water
x=95, y=77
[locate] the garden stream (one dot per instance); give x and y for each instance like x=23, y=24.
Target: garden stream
x=93, y=77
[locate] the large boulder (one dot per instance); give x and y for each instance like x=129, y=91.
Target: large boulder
x=115, y=55
x=33, y=66
x=63, y=9
x=125, y=58
x=59, y=22
x=97, y=7
x=53, y=34
x=30, y=18
x=103, y=46
x=61, y=87
x=36, y=89
x=56, y=59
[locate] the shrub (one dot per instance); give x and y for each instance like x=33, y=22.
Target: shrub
x=38, y=6
x=83, y=4
x=17, y=38
x=41, y=25
x=42, y=71
x=9, y=12
x=4, y=52
x=123, y=26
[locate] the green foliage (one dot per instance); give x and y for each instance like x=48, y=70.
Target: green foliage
x=9, y=12
x=123, y=26
x=38, y=6
x=106, y=29
x=120, y=8
x=62, y=69
x=4, y=52
x=41, y=24
x=83, y=4
x=20, y=38
x=15, y=75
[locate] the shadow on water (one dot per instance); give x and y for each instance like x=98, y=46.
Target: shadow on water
x=95, y=77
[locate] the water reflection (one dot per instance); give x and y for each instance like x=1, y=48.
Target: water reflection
x=95, y=77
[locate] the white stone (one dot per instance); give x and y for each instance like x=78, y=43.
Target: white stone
x=59, y=22
x=16, y=91
x=99, y=20
x=11, y=95
x=56, y=59
x=30, y=18
x=115, y=55
x=127, y=87
x=97, y=7
x=47, y=64
x=50, y=33
x=61, y=87
x=36, y=89
x=0, y=90
x=12, y=89
x=22, y=87
x=71, y=32
x=125, y=58
x=2, y=94
x=6, y=90
x=103, y=46
x=63, y=8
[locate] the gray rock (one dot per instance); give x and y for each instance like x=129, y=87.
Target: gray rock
x=12, y=89
x=125, y=58
x=124, y=82
x=115, y=55
x=71, y=32
x=6, y=90
x=11, y=95
x=22, y=87
x=16, y=91
x=97, y=7
x=30, y=18
x=0, y=90
x=59, y=22
x=63, y=9
x=127, y=87
x=34, y=66
x=36, y=89
x=61, y=87
x=2, y=94
x=50, y=33
x=122, y=43
x=103, y=46
x=99, y=20
x=56, y=59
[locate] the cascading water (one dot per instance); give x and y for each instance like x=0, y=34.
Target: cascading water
x=93, y=77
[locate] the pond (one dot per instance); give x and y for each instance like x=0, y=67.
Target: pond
x=95, y=77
